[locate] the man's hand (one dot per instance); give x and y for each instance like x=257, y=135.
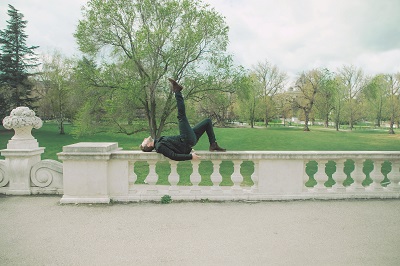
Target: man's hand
x=195, y=156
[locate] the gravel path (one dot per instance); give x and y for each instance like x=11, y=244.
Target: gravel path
x=36, y=230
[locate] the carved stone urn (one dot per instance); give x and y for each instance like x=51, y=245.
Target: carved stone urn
x=22, y=120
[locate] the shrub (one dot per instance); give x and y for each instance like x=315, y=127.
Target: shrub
x=166, y=199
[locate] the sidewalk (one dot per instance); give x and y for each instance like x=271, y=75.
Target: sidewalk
x=36, y=230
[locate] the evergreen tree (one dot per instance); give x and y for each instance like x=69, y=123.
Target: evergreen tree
x=16, y=61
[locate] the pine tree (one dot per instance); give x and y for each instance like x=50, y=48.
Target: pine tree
x=16, y=62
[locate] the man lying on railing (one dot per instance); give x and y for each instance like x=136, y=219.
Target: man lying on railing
x=179, y=147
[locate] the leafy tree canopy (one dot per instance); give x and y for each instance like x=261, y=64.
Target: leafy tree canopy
x=142, y=42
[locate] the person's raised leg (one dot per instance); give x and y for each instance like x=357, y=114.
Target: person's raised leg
x=185, y=130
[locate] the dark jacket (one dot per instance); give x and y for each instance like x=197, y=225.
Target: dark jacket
x=173, y=147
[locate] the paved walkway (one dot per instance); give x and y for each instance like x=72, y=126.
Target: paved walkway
x=38, y=231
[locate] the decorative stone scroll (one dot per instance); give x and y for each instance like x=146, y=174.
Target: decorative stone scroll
x=47, y=173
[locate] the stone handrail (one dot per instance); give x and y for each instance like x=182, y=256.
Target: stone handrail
x=100, y=172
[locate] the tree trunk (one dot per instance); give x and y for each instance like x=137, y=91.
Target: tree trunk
x=306, y=114
x=153, y=125
x=326, y=121
x=351, y=120
x=391, y=130
x=62, y=132
x=152, y=113
x=378, y=122
x=379, y=116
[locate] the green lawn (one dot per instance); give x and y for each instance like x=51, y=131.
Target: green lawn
x=234, y=139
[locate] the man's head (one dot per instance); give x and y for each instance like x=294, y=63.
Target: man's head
x=147, y=144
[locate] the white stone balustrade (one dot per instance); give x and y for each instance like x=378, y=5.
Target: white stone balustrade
x=101, y=172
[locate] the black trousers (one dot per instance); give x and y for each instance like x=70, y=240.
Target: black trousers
x=188, y=134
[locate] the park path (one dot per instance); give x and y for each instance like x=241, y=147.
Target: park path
x=36, y=230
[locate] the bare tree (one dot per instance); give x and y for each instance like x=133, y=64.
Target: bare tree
x=354, y=81
x=271, y=81
x=307, y=86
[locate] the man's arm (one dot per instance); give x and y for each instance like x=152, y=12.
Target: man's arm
x=195, y=156
x=167, y=152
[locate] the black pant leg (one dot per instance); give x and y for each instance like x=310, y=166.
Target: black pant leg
x=205, y=126
x=186, y=132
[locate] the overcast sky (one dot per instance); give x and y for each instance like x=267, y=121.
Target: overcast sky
x=295, y=35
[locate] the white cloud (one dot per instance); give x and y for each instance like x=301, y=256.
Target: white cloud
x=299, y=35
x=51, y=23
x=296, y=35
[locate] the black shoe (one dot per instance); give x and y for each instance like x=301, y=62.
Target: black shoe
x=175, y=86
x=214, y=147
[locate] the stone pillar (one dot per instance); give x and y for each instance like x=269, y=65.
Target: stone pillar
x=22, y=150
x=86, y=169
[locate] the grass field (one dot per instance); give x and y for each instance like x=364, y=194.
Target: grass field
x=234, y=139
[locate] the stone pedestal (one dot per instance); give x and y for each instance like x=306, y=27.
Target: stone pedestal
x=22, y=139
x=19, y=164
x=85, y=168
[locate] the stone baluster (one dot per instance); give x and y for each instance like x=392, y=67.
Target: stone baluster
x=377, y=176
x=152, y=177
x=216, y=177
x=132, y=177
x=321, y=177
x=339, y=176
x=173, y=177
x=237, y=177
x=255, y=176
x=394, y=177
x=195, y=177
x=305, y=176
x=358, y=176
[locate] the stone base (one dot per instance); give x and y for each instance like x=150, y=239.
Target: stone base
x=76, y=200
x=16, y=144
x=18, y=192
